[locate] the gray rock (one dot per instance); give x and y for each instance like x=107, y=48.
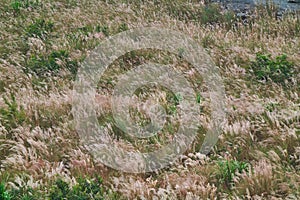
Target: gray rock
x=293, y=1
x=243, y=5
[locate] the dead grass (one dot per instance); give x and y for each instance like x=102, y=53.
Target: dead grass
x=263, y=119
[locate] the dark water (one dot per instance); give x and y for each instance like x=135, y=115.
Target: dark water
x=240, y=5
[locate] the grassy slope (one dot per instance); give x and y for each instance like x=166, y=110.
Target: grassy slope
x=38, y=142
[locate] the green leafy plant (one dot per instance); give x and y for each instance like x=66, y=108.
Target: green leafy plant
x=49, y=65
x=271, y=106
x=25, y=194
x=104, y=29
x=198, y=98
x=40, y=28
x=86, y=29
x=13, y=114
x=123, y=27
x=178, y=98
x=4, y=195
x=227, y=170
x=84, y=189
x=173, y=101
x=2, y=86
x=278, y=70
x=17, y=5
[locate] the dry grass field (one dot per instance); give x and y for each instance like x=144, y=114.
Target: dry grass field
x=42, y=44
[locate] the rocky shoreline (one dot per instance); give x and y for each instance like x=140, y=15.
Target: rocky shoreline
x=244, y=8
x=244, y=5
